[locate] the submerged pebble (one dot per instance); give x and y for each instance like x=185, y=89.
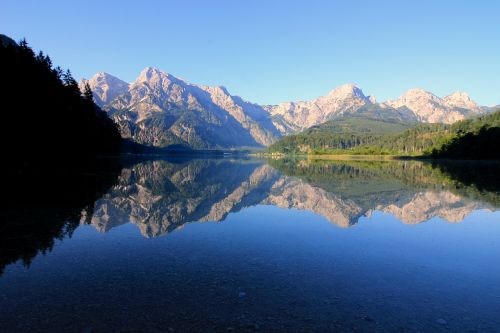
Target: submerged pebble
x=441, y=321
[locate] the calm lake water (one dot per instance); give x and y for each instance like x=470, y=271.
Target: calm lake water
x=242, y=245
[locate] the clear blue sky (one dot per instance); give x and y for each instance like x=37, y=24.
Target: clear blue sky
x=271, y=51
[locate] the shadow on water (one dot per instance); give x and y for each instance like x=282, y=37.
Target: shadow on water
x=47, y=201
x=477, y=180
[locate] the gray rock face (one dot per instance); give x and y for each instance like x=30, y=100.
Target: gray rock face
x=105, y=87
x=415, y=105
x=292, y=117
x=162, y=110
x=429, y=108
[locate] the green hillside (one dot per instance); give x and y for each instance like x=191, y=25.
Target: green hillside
x=342, y=133
x=360, y=124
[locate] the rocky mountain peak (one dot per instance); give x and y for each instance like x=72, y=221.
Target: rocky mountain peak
x=222, y=89
x=160, y=109
x=347, y=91
x=99, y=76
x=417, y=93
x=217, y=90
x=429, y=108
x=154, y=75
x=460, y=95
x=103, y=77
x=296, y=116
x=460, y=99
x=105, y=87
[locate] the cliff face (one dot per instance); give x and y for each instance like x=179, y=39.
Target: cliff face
x=292, y=117
x=429, y=108
x=105, y=87
x=160, y=109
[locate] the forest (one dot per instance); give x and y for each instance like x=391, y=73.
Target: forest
x=468, y=139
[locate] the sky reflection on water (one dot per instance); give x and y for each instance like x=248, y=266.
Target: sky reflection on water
x=295, y=246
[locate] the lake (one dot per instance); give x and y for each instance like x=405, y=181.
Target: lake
x=247, y=245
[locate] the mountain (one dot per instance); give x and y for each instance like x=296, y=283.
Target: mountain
x=159, y=109
x=460, y=100
x=6, y=40
x=416, y=105
x=292, y=117
x=429, y=108
x=105, y=87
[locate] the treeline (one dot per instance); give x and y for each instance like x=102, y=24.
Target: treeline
x=471, y=145
x=469, y=139
x=318, y=142
x=411, y=141
x=44, y=111
x=339, y=134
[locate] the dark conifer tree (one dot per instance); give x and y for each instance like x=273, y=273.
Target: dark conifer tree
x=87, y=92
x=44, y=112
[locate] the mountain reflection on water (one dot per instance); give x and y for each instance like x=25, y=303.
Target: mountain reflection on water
x=303, y=246
x=161, y=196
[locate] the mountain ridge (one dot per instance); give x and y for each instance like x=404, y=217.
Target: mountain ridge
x=160, y=109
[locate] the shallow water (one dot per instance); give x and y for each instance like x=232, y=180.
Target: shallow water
x=249, y=245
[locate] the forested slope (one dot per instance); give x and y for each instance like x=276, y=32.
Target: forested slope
x=468, y=139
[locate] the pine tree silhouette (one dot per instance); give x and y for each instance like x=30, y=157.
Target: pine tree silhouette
x=44, y=112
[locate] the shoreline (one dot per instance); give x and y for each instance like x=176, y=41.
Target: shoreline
x=347, y=157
